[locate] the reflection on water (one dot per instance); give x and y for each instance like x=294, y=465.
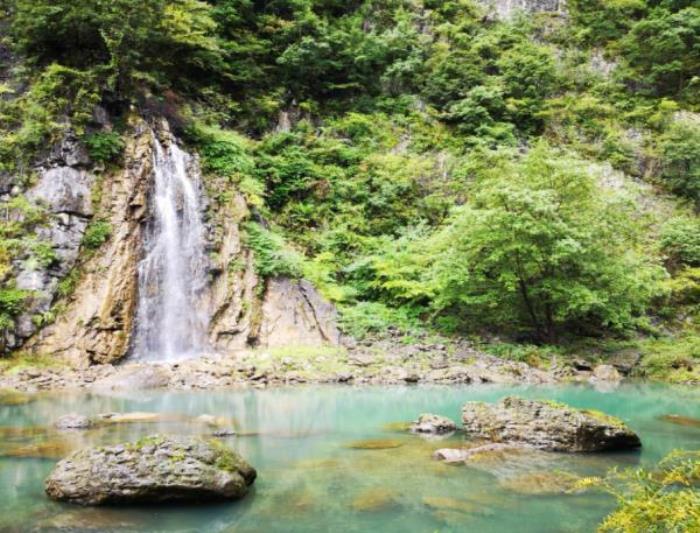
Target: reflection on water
x=333, y=459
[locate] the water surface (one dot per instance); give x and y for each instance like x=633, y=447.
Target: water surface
x=312, y=479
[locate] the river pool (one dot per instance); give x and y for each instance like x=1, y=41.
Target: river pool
x=313, y=473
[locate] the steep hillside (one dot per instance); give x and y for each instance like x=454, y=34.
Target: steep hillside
x=522, y=173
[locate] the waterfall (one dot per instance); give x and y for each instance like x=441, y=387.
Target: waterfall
x=170, y=320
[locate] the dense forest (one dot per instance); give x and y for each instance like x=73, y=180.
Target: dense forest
x=500, y=191
x=531, y=179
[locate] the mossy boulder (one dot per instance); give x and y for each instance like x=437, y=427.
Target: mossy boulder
x=547, y=425
x=152, y=470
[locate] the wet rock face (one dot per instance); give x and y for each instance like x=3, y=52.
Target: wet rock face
x=433, y=424
x=97, y=324
x=155, y=469
x=63, y=191
x=546, y=425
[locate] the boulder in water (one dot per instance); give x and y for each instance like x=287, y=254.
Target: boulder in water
x=154, y=469
x=434, y=424
x=547, y=425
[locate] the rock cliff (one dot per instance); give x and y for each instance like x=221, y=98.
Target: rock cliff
x=96, y=322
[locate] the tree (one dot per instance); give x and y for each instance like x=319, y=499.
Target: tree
x=539, y=248
x=129, y=42
x=663, y=52
x=680, y=153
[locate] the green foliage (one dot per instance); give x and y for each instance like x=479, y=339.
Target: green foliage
x=663, y=52
x=680, y=241
x=96, y=234
x=367, y=319
x=11, y=304
x=663, y=499
x=680, y=152
x=224, y=153
x=540, y=247
x=39, y=115
x=672, y=359
x=104, y=147
x=395, y=149
x=273, y=257
x=127, y=42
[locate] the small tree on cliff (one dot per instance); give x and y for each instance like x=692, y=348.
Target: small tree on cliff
x=542, y=247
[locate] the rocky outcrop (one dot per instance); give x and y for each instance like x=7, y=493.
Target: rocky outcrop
x=546, y=425
x=435, y=424
x=505, y=9
x=290, y=312
x=155, y=469
x=98, y=322
x=294, y=313
x=63, y=193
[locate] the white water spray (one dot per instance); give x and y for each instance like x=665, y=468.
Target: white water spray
x=170, y=322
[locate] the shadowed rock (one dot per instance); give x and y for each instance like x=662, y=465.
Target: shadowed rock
x=547, y=425
x=154, y=469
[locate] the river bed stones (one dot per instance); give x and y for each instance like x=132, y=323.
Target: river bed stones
x=679, y=420
x=433, y=424
x=73, y=421
x=546, y=425
x=460, y=455
x=153, y=470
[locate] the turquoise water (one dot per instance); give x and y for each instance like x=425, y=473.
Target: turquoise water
x=312, y=479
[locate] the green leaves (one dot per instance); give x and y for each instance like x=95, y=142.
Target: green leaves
x=538, y=247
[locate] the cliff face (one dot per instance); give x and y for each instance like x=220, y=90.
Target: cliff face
x=97, y=325
x=96, y=322
x=504, y=9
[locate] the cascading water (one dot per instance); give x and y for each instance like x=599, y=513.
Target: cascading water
x=170, y=322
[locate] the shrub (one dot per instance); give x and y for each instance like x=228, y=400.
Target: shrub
x=104, y=147
x=97, y=233
x=365, y=319
x=273, y=257
x=680, y=242
x=663, y=499
x=680, y=152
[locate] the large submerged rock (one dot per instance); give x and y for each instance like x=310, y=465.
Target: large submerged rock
x=155, y=469
x=546, y=425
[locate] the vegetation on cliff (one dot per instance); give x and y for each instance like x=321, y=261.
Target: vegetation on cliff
x=424, y=164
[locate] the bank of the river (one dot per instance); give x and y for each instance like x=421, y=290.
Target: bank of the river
x=373, y=363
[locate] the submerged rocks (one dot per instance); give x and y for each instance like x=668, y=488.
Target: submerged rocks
x=73, y=421
x=433, y=424
x=459, y=455
x=154, y=469
x=547, y=425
